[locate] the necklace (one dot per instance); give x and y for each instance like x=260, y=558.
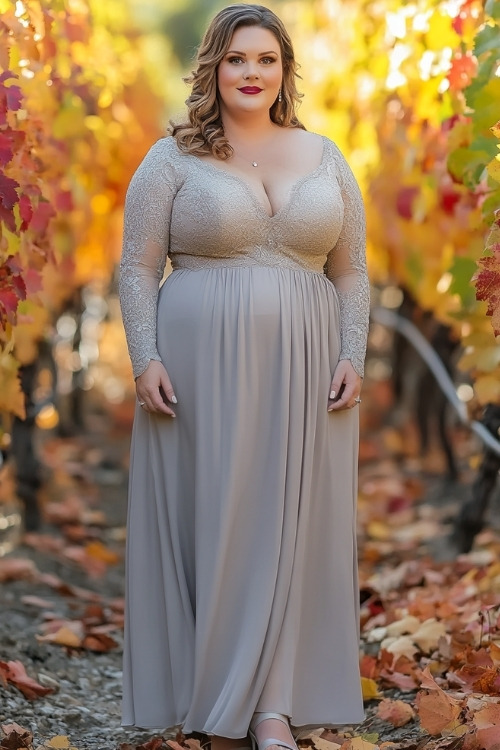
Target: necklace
x=254, y=164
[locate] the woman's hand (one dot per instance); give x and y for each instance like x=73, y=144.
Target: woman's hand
x=345, y=388
x=153, y=387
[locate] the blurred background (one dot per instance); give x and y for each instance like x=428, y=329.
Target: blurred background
x=410, y=92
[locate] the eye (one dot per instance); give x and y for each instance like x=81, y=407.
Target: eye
x=268, y=60
x=234, y=60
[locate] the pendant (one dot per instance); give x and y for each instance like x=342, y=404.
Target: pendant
x=254, y=164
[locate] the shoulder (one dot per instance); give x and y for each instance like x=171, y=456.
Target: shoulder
x=163, y=152
x=163, y=162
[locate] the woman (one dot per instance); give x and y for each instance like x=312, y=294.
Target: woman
x=241, y=557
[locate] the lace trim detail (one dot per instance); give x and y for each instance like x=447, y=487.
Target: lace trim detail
x=256, y=256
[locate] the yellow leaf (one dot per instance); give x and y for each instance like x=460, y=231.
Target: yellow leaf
x=61, y=742
x=11, y=395
x=358, y=743
x=370, y=689
x=63, y=637
x=487, y=389
x=493, y=168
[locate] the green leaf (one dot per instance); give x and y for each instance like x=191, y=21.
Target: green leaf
x=485, y=144
x=487, y=39
x=462, y=271
x=467, y=166
x=490, y=205
x=492, y=8
x=486, y=105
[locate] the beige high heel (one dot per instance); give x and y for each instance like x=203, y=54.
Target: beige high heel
x=257, y=719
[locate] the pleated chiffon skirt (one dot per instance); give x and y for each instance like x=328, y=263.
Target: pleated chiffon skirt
x=241, y=587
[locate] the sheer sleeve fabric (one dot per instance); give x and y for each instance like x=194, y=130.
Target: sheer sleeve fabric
x=346, y=269
x=148, y=208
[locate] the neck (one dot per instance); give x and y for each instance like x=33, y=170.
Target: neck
x=248, y=129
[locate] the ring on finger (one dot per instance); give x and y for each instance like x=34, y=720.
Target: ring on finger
x=142, y=403
x=357, y=400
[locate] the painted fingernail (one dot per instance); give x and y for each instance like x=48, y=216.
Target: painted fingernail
x=173, y=400
x=332, y=394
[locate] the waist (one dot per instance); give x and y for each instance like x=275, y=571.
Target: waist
x=259, y=256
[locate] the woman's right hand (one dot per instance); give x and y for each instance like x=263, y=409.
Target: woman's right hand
x=153, y=386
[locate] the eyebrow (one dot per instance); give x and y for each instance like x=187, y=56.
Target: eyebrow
x=243, y=54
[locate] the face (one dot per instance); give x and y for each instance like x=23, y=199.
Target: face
x=250, y=73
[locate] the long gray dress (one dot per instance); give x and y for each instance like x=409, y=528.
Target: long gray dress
x=241, y=555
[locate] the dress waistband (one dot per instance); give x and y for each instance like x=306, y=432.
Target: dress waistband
x=259, y=257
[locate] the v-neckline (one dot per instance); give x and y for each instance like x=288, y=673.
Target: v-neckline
x=295, y=185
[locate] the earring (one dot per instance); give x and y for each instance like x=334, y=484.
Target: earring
x=280, y=98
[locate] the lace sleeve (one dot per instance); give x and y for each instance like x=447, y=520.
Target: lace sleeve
x=148, y=206
x=346, y=268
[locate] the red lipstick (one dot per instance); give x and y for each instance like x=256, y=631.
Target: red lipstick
x=250, y=90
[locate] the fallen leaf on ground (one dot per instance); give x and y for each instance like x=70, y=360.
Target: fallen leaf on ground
x=64, y=636
x=15, y=673
x=396, y=712
x=436, y=710
x=358, y=743
x=61, y=742
x=428, y=635
x=15, y=738
x=99, y=642
x=321, y=744
x=17, y=569
x=370, y=689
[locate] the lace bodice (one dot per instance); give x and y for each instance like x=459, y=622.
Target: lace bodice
x=203, y=216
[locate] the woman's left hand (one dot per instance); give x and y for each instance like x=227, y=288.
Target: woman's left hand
x=344, y=397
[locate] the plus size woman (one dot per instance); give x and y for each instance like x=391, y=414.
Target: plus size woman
x=241, y=555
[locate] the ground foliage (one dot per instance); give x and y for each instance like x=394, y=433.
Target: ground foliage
x=76, y=116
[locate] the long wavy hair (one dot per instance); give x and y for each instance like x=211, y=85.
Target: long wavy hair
x=203, y=133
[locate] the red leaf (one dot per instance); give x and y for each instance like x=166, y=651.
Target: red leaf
x=404, y=201
x=15, y=673
x=14, y=98
x=9, y=301
x=487, y=281
x=8, y=192
x=42, y=214
x=463, y=69
x=6, y=149
x=33, y=281
x=26, y=211
x=64, y=201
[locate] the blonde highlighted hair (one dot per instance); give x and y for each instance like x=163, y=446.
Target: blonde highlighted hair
x=203, y=133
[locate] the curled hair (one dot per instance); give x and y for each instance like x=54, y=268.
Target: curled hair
x=203, y=133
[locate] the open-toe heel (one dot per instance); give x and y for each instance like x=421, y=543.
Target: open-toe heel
x=257, y=719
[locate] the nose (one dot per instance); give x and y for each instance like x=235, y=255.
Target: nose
x=251, y=71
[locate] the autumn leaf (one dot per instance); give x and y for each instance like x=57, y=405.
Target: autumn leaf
x=15, y=673
x=17, y=569
x=70, y=635
x=60, y=742
x=436, y=710
x=8, y=192
x=396, y=712
x=99, y=642
x=16, y=737
x=487, y=281
x=358, y=743
x=370, y=689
